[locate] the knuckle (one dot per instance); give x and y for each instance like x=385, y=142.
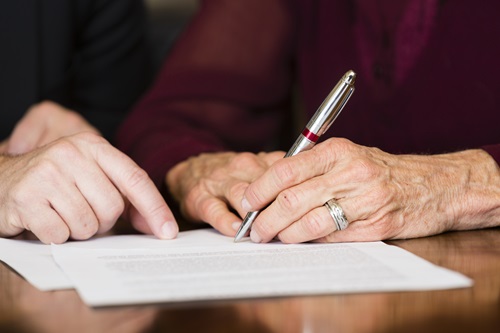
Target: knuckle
x=254, y=196
x=20, y=195
x=236, y=190
x=113, y=212
x=382, y=230
x=242, y=161
x=265, y=230
x=86, y=223
x=137, y=177
x=46, y=169
x=92, y=138
x=72, y=119
x=383, y=225
x=44, y=108
x=51, y=234
x=158, y=209
x=335, y=145
x=285, y=238
x=208, y=210
x=217, y=175
x=191, y=204
x=64, y=149
x=85, y=230
x=288, y=200
x=284, y=173
x=365, y=169
x=312, y=224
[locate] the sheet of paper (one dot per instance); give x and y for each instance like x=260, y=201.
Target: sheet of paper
x=204, y=265
x=33, y=261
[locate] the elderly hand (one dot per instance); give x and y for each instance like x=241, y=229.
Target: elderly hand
x=76, y=187
x=210, y=187
x=43, y=123
x=383, y=196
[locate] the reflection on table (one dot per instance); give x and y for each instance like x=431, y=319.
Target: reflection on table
x=23, y=308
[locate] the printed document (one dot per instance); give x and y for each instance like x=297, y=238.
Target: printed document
x=205, y=265
x=33, y=261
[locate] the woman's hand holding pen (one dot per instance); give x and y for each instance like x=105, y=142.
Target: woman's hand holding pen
x=383, y=196
x=210, y=186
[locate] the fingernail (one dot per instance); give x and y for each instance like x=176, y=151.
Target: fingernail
x=236, y=225
x=246, y=205
x=169, y=230
x=254, y=236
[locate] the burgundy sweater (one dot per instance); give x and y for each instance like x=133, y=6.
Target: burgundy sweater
x=428, y=78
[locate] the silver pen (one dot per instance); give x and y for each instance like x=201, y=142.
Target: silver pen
x=317, y=126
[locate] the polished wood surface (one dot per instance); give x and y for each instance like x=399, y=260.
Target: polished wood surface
x=476, y=254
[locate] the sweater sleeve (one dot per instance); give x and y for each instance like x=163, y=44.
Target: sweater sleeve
x=494, y=151
x=212, y=94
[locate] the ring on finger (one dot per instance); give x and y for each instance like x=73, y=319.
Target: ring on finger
x=337, y=214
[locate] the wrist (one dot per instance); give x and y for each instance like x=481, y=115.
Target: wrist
x=478, y=200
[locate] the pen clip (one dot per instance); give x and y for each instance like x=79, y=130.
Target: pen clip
x=336, y=114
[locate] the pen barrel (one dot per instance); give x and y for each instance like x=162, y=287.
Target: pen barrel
x=301, y=144
x=319, y=124
x=333, y=104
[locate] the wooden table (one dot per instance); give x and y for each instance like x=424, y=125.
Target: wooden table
x=474, y=253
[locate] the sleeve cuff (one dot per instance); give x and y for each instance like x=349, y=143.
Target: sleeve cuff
x=494, y=151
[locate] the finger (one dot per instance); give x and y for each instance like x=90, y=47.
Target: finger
x=357, y=231
x=216, y=213
x=281, y=175
x=73, y=209
x=291, y=205
x=316, y=224
x=282, y=212
x=233, y=192
x=45, y=224
x=138, y=188
x=138, y=221
x=102, y=196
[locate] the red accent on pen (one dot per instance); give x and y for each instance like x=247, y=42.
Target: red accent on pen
x=310, y=135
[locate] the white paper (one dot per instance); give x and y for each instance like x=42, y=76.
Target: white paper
x=204, y=265
x=33, y=261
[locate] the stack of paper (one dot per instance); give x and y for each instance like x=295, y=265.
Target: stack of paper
x=204, y=265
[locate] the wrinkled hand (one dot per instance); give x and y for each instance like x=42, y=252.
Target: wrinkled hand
x=210, y=187
x=43, y=123
x=76, y=187
x=383, y=196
